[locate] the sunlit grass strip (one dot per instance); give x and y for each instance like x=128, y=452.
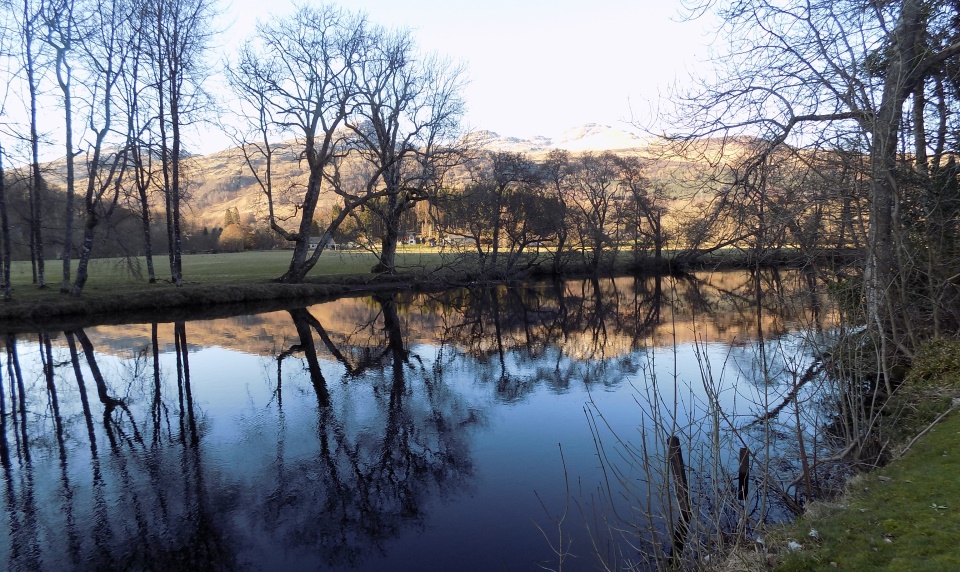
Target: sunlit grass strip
x=905, y=516
x=226, y=268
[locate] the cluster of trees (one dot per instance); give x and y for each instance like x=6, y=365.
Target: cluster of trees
x=127, y=75
x=239, y=233
x=583, y=210
x=514, y=211
x=345, y=88
x=875, y=86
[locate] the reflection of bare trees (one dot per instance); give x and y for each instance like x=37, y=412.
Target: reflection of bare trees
x=360, y=429
x=587, y=328
x=376, y=478
x=19, y=489
x=598, y=319
x=125, y=514
x=137, y=489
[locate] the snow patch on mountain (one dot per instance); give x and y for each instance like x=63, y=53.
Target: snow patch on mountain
x=589, y=137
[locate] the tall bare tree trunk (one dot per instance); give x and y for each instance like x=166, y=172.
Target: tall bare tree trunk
x=177, y=245
x=881, y=270
x=5, y=254
x=36, y=214
x=68, y=222
x=60, y=36
x=147, y=238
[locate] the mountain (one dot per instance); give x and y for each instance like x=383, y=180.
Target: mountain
x=589, y=137
x=221, y=181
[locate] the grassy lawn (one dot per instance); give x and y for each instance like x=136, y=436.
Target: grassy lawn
x=112, y=274
x=905, y=516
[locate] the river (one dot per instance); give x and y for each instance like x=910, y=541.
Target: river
x=502, y=428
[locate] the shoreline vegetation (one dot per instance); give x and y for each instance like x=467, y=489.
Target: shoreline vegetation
x=900, y=515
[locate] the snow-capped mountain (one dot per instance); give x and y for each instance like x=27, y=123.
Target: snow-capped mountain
x=589, y=137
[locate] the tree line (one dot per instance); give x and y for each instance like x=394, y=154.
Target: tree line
x=127, y=76
x=375, y=122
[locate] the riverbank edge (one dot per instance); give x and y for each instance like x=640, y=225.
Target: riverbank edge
x=900, y=516
x=164, y=302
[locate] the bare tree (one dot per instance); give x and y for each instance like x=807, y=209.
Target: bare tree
x=179, y=39
x=823, y=74
x=28, y=23
x=555, y=175
x=500, y=211
x=407, y=113
x=141, y=107
x=302, y=71
x=646, y=198
x=107, y=47
x=595, y=201
x=61, y=35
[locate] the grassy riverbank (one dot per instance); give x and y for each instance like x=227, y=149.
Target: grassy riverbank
x=904, y=516
x=119, y=285
x=207, y=269
x=116, y=286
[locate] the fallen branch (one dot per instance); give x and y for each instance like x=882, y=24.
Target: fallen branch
x=815, y=368
x=924, y=432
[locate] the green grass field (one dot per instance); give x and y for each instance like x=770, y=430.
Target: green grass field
x=113, y=274
x=120, y=287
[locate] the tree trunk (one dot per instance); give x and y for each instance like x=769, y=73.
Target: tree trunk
x=497, y=215
x=177, y=245
x=167, y=192
x=147, y=239
x=558, y=255
x=881, y=271
x=300, y=265
x=388, y=250
x=5, y=233
x=86, y=249
x=68, y=125
x=36, y=215
x=658, y=240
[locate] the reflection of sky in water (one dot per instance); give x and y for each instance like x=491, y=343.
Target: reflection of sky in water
x=437, y=471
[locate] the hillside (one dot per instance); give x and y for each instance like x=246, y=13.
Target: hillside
x=221, y=181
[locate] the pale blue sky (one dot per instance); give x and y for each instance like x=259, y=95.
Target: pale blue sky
x=536, y=67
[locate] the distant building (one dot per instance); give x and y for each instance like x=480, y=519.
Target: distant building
x=315, y=241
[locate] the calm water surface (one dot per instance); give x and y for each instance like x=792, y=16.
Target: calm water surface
x=464, y=430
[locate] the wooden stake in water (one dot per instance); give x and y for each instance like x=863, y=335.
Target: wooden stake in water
x=743, y=474
x=682, y=491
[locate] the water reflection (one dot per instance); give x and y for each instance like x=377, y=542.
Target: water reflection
x=355, y=433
